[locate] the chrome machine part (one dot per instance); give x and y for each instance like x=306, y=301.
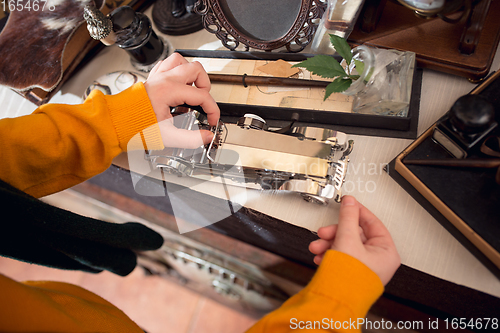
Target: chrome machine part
x=307, y=160
x=252, y=121
x=321, y=135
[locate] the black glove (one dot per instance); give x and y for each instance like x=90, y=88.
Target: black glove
x=38, y=233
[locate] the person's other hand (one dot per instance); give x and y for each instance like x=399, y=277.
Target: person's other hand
x=360, y=234
x=170, y=83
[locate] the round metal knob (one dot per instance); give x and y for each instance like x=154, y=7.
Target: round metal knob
x=471, y=114
x=250, y=120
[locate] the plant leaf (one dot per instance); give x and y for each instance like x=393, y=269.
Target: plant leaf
x=323, y=65
x=342, y=48
x=338, y=85
x=360, y=66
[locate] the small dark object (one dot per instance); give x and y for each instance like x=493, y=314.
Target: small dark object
x=176, y=17
x=467, y=123
x=134, y=34
x=471, y=115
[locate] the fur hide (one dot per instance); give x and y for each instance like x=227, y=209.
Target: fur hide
x=32, y=43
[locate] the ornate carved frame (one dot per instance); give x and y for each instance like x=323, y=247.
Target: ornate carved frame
x=295, y=40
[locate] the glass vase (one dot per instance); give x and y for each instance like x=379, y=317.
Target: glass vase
x=384, y=85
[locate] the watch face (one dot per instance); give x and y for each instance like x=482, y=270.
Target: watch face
x=424, y=6
x=113, y=83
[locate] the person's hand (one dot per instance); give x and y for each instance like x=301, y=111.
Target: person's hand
x=360, y=234
x=170, y=83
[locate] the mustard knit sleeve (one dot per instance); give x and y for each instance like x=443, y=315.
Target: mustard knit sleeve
x=45, y=306
x=59, y=145
x=336, y=299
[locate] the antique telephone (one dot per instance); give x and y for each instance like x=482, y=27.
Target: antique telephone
x=308, y=160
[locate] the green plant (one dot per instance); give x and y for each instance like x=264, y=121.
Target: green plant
x=328, y=67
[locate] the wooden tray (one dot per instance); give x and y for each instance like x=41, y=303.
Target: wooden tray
x=349, y=122
x=465, y=201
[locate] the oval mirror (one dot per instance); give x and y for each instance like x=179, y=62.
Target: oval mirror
x=262, y=24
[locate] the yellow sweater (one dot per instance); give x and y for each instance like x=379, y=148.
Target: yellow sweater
x=59, y=146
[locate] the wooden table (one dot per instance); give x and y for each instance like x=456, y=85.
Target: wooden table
x=421, y=241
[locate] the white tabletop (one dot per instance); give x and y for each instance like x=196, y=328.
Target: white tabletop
x=421, y=241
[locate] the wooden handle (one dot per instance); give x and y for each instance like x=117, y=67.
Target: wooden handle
x=266, y=80
x=455, y=162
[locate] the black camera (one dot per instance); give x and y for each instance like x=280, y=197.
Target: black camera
x=462, y=129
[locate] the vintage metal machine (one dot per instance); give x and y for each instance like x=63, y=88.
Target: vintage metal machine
x=308, y=160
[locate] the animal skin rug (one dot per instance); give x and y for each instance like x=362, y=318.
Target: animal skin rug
x=32, y=42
